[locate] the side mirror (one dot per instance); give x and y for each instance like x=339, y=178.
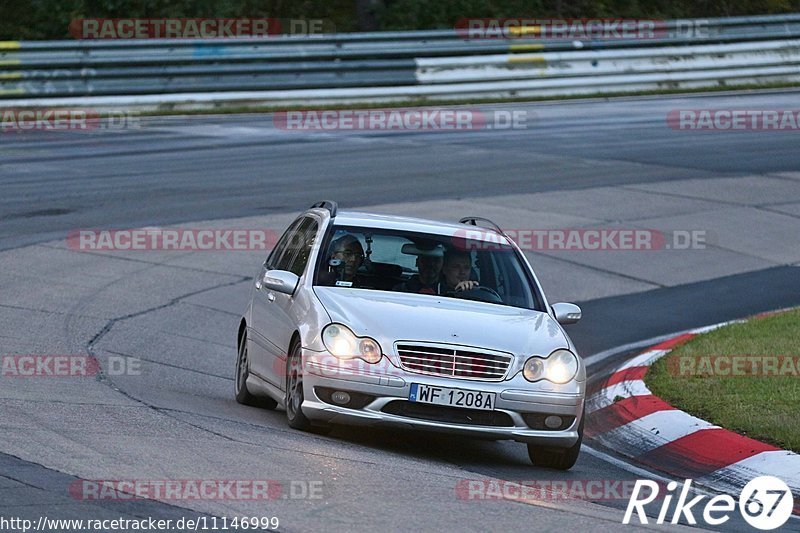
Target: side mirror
x=567, y=313
x=281, y=281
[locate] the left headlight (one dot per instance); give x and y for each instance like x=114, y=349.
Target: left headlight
x=559, y=367
x=342, y=343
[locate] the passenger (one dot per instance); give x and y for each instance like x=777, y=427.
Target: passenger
x=457, y=269
x=429, y=265
x=348, y=249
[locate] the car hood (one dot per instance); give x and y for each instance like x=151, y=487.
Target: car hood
x=394, y=316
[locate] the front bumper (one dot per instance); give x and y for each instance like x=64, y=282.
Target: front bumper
x=387, y=384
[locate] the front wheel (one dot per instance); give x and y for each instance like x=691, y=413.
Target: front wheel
x=557, y=458
x=243, y=395
x=294, y=390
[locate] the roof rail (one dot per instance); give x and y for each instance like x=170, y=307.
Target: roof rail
x=327, y=204
x=473, y=221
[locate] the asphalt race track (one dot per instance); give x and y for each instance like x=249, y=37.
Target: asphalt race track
x=576, y=164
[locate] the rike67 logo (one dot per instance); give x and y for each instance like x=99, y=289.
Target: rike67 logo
x=765, y=503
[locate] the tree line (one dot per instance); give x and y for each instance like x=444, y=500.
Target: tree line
x=50, y=19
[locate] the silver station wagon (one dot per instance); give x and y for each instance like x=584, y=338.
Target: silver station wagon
x=367, y=319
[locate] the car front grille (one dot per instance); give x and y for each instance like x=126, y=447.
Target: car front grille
x=453, y=361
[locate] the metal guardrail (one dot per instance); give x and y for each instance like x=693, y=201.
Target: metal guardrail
x=378, y=66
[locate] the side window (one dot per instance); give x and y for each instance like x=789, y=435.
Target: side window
x=494, y=276
x=512, y=283
x=304, y=238
x=279, y=251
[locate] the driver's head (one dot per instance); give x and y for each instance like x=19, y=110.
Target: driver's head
x=349, y=250
x=430, y=268
x=457, y=267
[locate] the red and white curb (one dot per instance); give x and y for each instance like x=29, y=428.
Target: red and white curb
x=627, y=418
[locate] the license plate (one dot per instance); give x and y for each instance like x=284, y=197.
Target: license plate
x=452, y=397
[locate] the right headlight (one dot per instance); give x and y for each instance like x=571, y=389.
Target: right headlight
x=559, y=367
x=344, y=344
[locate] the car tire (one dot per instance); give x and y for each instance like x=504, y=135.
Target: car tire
x=294, y=389
x=557, y=458
x=243, y=395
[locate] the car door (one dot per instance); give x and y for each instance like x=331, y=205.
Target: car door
x=261, y=348
x=278, y=307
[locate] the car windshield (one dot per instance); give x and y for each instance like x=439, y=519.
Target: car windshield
x=436, y=265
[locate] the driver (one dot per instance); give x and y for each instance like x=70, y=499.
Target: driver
x=456, y=270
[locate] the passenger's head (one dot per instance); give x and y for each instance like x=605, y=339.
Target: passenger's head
x=429, y=259
x=457, y=267
x=430, y=268
x=348, y=248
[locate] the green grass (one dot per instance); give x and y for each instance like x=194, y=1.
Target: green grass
x=765, y=408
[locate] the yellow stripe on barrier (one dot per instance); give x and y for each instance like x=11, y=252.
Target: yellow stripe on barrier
x=18, y=90
x=7, y=62
x=9, y=45
x=10, y=75
x=525, y=47
x=525, y=30
x=527, y=59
